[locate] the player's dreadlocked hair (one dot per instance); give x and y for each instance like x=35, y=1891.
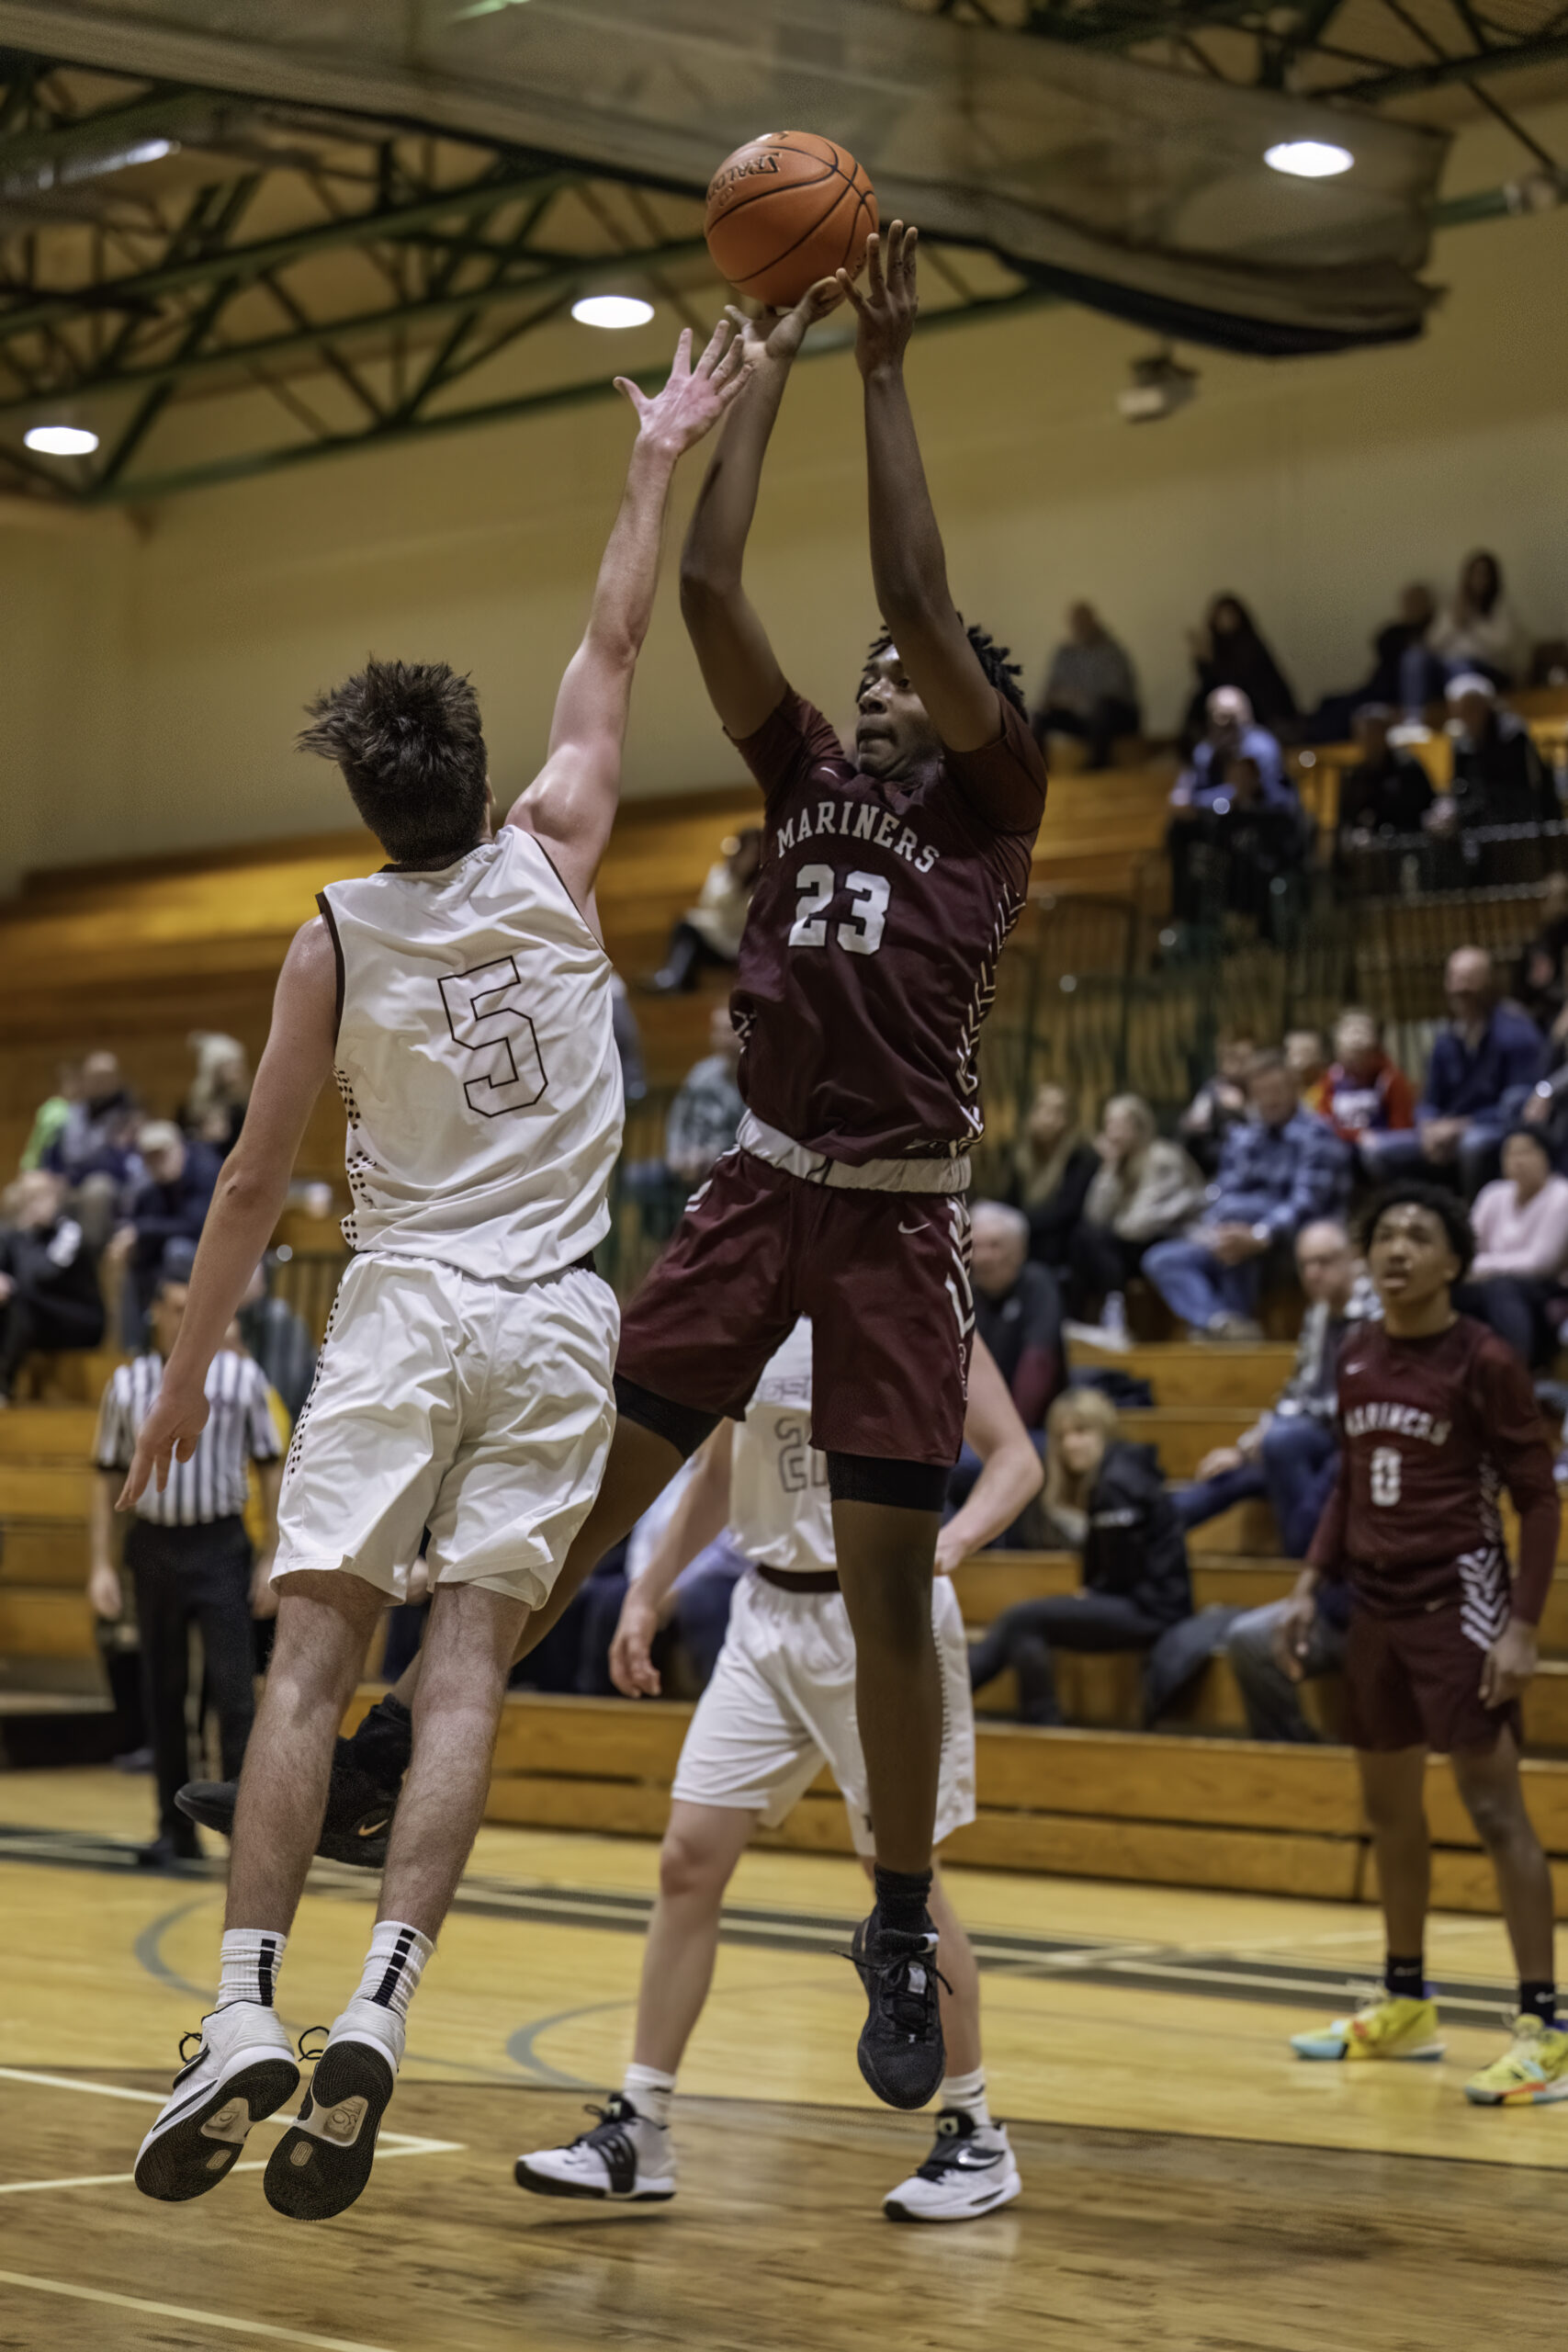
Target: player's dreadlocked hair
x=994, y=659
x=407, y=737
x=1446, y=1206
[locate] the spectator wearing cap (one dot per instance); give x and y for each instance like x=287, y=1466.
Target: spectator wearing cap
x=1499, y=776
x=95, y=1149
x=49, y=1286
x=169, y=1205
x=1484, y=1064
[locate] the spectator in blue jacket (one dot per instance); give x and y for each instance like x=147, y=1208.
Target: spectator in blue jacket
x=1483, y=1065
x=1281, y=1171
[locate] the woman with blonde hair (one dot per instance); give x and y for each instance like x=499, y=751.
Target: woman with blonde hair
x=1053, y=1165
x=1106, y=1496
x=1146, y=1189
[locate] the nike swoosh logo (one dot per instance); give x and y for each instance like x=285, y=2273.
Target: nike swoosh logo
x=913, y=1228
x=372, y=1828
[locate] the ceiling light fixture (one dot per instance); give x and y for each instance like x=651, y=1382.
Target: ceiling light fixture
x=611, y=310
x=1308, y=159
x=60, y=440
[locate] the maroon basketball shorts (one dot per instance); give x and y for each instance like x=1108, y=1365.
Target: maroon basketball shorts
x=884, y=1276
x=1416, y=1681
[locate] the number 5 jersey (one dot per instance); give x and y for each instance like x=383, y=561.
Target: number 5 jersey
x=1431, y=1431
x=476, y=1062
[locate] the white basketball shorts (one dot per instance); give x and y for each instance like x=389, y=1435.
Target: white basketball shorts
x=481, y=1411
x=781, y=1703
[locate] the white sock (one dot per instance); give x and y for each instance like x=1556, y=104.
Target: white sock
x=967, y=2094
x=251, y=1958
x=394, y=1965
x=649, y=2091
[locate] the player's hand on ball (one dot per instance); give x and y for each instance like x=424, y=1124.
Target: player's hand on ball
x=1508, y=1663
x=695, y=397
x=886, y=307
x=777, y=336
x=168, y=1435
x=632, y=1669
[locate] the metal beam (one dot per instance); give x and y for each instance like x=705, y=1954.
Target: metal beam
x=1402, y=81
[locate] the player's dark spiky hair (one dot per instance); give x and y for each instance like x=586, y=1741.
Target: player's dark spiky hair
x=995, y=659
x=407, y=737
x=1446, y=1206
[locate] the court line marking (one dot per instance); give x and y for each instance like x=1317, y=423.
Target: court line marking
x=184, y=2311
x=392, y=2144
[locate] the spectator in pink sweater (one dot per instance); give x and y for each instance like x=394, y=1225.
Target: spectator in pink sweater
x=1521, y=1249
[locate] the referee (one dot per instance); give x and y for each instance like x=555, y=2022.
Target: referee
x=188, y=1556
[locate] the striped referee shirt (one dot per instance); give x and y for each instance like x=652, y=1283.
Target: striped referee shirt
x=213, y=1483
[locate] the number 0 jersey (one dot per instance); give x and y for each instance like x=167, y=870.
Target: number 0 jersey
x=476, y=1062
x=781, y=1515
x=868, y=962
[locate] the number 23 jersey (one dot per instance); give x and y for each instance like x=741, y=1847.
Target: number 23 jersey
x=476, y=1058
x=869, y=957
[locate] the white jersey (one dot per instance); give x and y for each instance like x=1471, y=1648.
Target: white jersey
x=781, y=1514
x=476, y=1062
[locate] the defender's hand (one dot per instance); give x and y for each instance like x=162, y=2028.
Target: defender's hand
x=168, y=1434
x=632, y=1669
x=775, y=337
x=695, y=398
x=1508, y=1663
x=887, y=308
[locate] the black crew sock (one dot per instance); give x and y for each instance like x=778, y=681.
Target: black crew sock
x=1538, y=2000
x=1405, y=1979
x=384, y=1741
x=901, y=1898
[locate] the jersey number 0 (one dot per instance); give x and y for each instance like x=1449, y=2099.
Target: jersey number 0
x=485, y=1017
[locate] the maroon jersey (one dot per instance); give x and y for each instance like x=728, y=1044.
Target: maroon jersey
x=869, y=959
x=1430, y=1430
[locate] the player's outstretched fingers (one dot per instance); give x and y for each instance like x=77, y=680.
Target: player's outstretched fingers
x=715, y=350
x=873, y=272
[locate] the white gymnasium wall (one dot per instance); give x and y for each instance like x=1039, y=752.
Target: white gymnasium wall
x=155, y=675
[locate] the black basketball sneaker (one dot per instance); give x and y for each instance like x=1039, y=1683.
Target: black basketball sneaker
x=901, y=2052
x=359, y=1817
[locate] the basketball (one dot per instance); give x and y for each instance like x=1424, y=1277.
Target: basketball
x=784, y=211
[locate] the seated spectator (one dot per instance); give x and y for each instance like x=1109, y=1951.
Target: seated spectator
x=1091, y=692
x=1220, y=1102
x=1306, y=1058
x=94, y=1150
x=1521, y=1249
x=1365, y=1093
x=1228, y=650
x=1387, y=791
x=1499, y=776
x=1484, y=1064
x=1232, y=731
x=1277, y=1172
x=1017, y=1309
x=49, y=1119
x=1476, y=629
x=49, y=1289
x=170, y=1204
x=702, y=1121
x=1336, y=714
x=1146, y=1189
x=1106, y=1498
x=1054, y=1166
x=709, y=932
x=1270, y=1695
x=1291, y=1451
x=214, y=1111
x=1235, y=815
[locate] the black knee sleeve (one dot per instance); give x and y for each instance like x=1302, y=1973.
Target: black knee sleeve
x=683, y=1426
x=869, y=1478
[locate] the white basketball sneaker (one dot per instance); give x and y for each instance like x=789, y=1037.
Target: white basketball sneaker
x=624, y=2156
x=970, y=2171
x=323, y=2159
x=244, y=2068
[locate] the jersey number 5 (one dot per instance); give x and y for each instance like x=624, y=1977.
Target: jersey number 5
x=818, y=887
x=1387, y=1463
x=485, y=1017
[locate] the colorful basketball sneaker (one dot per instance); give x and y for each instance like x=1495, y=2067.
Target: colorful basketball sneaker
x=1388, y=2025
x=1531, y=2071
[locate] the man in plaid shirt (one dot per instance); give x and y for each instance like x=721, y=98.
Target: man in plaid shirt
x=1280, y=1170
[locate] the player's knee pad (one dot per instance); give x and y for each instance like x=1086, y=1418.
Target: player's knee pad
x=869, y=1478
x=685, y=1427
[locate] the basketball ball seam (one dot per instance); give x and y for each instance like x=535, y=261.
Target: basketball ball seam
x=821, y=222
x=778, y=188
x=854, y=224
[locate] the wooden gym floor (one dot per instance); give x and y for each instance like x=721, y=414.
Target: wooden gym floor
x=1186, y=2184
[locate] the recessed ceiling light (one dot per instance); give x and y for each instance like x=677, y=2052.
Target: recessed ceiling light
x=611, y=310
x=1308, y=159
x=60, y=440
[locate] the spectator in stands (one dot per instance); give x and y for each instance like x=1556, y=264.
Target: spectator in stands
x=214, y=1111
x=1333, y=718
x=1277, y=1172
x=278, y=1340
x=1232, y=731
x=1090, y=692
x=170, y=1204
x=1054, y=1166
x=1482, y=1067
x=1228, y=650
x=710, y=931
x=1539, y=983
x=1146, y=1189
x=1234, y=813
x=1306, y=1058
x=705, y=1114
x=1271, y=1697
x=1017, y=1309
x=1476, y=630
x=49, y=1119
x=1220, y=1102
x=49, y=1288
x=1290, y=1452
x=1365, y=1093
x=1106, y=1498
x=188, y=1556
x=94, y=1150
x=1499, y=776
x=1387, y=791
x=1521, y=1249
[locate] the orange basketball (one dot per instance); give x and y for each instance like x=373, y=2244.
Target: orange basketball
x=785, y=211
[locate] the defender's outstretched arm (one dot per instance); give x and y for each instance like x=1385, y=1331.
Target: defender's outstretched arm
x=572, y=803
